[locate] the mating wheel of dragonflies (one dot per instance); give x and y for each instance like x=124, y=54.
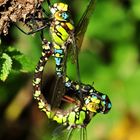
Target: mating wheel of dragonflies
x=64, y=34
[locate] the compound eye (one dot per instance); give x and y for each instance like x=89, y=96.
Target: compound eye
x=65, y=15
x=106, y=104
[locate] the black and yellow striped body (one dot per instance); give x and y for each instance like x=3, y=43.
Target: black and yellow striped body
x=81, y=114
x=61, y=30
x=62, y=26
x=93, y=101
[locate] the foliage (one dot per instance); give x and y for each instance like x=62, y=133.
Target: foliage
x=6, y=65
x=12, y=59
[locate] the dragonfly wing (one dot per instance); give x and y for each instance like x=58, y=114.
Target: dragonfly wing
x=70, y=133
x=83, y=133
x=58, y=92
x=59, y=88
x=83, y=23
x=59, y=132
x=79, y=35
x=62, y=132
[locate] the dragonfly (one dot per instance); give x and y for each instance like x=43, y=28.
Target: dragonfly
x=64, y=35
x=80, y=115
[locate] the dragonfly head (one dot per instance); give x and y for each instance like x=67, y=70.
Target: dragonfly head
x=97, y=102
x=105, y=105
x=60, y=12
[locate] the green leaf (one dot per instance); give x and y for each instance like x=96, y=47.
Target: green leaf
x=20, y=61
x=5, y=66
x=13, y=52
x=23, y=64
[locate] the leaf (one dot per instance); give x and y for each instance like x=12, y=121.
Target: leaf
x=5, y=66
x=23, y=63
x=12, y=52
x=20, y=61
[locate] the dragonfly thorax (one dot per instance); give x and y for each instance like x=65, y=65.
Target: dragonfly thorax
x=62, y=26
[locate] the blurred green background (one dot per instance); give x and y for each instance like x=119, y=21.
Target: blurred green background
x=110, y=57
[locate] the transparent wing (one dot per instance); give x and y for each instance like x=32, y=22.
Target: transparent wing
x=59, y=88
x=81, y=28
x=83, y=133
x=70, y=133
x=62, y=132
x=58, y=92
x=83, y=23
x=79, y=35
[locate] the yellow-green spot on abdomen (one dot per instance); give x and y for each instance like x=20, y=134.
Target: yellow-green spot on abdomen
x=81, y=118
x=48, y=114
x=77, y=87
x=71, y=118
x=41, y=68
x=64, y=119
x=57, y=55
x=37, y=93
x=58, y=118
x=37, y=80
x=41, y=104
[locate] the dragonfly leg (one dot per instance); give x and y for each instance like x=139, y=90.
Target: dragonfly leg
x=33, y=31
x=69, y=99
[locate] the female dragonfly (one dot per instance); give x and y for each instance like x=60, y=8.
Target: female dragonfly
x=63, y=34
x=81, y=113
